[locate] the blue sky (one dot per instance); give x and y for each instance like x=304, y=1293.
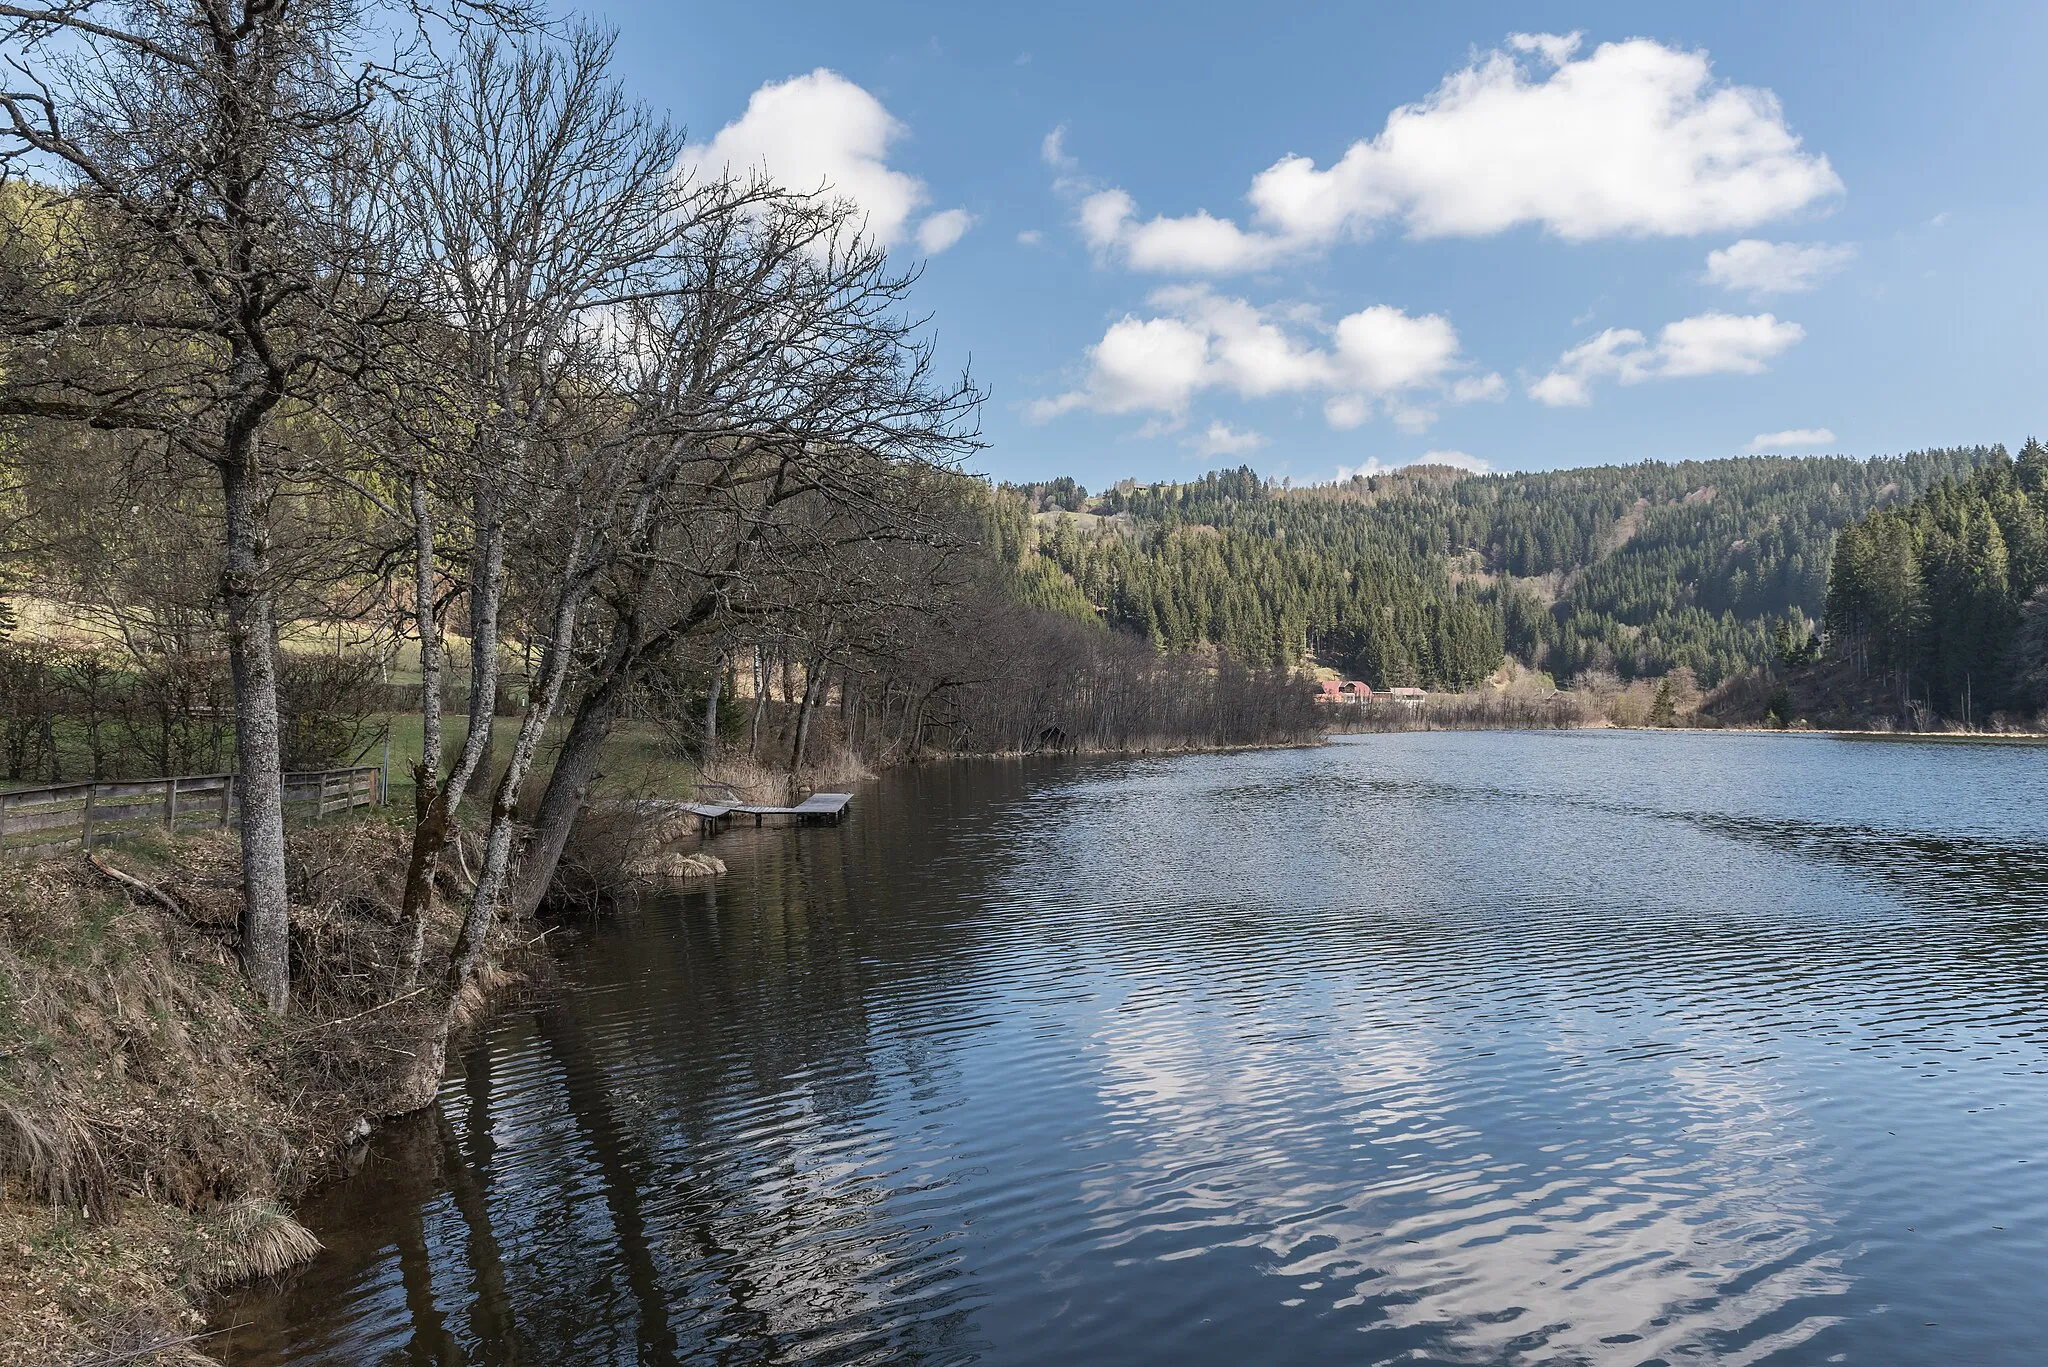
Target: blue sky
x=1593, y=233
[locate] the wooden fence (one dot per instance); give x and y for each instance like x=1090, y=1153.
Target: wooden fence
x=66, y=815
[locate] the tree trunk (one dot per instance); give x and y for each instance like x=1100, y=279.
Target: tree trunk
x=788, y=663
x=252, y=655
x=813, y=692
x=711, y=713
x=760, y=704
x=430, y=828
x=568, y=788
x=543, y=697
x=486, y=597
x=436, y=811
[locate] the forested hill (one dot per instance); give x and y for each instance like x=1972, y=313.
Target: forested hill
x=1429, y=575
x=1942, y=600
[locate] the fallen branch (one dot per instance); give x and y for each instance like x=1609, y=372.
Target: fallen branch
x=328, y=1025
x=127, y=1357
x=462, y=862
x=135, y=885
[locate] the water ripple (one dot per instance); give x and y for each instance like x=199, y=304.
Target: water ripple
x=1448, y=1048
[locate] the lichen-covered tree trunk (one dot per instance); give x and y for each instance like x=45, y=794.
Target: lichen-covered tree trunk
x=813, y=698
x=486, y=597
x=430, y=828
x=544, y=696
x=568, y=788
x=438, y=802
x=711, y=712
x=760, y=704
x=252, y=654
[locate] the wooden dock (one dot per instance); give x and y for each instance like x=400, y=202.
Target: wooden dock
x=712, y=817
x=817, y=809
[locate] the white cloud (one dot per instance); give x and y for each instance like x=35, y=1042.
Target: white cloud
x=1383, y=349
x=1052, y=150
x=1375, y=466
x=1199, y=340
x=1103, y=217
x=1030, y=237
x=1198, y=243
x=1488, y=388
x=1347, y=411
x=1791, y=439
x=1140, y=363
x=1569, y=382
x=1221, y=439
x=823, y=132
x=943, y=229
x=1706, y=344
x=1634, y=139
x=1760, y=267
x=1721, y=344
x=1554, y=48
x=1457, y=460
x=1413, y=421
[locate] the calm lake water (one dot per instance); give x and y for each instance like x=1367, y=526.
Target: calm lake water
x=1460, y=1048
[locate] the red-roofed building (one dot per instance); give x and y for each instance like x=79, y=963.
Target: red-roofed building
x=1348, y=691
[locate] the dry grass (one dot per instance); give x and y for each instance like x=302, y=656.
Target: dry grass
x=249, y=1238
x=52, y=1159
x=833, y=767
x=677, y=866
x=153, y=1118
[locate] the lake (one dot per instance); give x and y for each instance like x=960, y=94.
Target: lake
x=1576, y=1047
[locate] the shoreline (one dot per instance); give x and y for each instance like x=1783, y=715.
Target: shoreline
x=157, y=1123
x=2015, y=738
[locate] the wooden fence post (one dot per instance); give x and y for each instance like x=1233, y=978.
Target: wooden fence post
x=171, y=805
x=227, y=789
x=3, y=825
x=90, y=790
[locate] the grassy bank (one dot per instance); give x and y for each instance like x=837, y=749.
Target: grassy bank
x=155, y=1121
x=638, y=762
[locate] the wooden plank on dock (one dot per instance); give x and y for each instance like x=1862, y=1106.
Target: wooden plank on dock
x=711, y=811
x=817, y=807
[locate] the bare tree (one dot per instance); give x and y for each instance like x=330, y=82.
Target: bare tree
x=802, y=411
x=194, y=257
x=534, y=199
